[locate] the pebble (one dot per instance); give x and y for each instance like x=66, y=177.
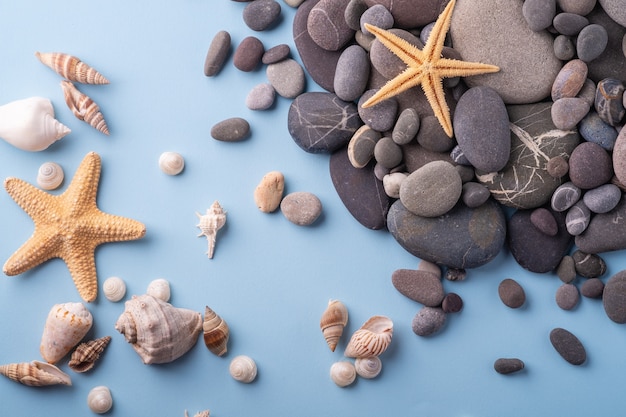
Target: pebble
x=287, y=77
x=406, y=126
x=577, y=218
x=588, y=265
x=455, y=274
x=452, y=303
x=591, y=42
x=294, y=3
x=592, y=288
x=412, y=13
x=248, y=54
x=539, y=13
x=327, y=25
x=557, y=167
x=352, y=73
x=615, y=9
x=566, y=270
x=569, y=24
x=568, y=346
x=432, y=190
x=384, y=61
x=353, y=12
x=564, y=48
x=361, y=146
x=430, y=267
x=420, y=286
x=259, y=15
x=593, y=129
x=428, y=321
x=432, y=137
x=276, y=54
x=590, y=166
x=392, y=182
x=567, y=296
x=233, y=129
x=381, y=116
x=507, y=366
x=261, y=97
x=511, y=293
x=388, y=153
x=567, y=112
x=570, y=79
x=609, y=101
x=612, y=63
x=269, y=193
x=602, y=199
x=217, y=53
x=301, y=208
x=376, y=15
x=619, y=157
x=544, y=221
x=565, y=196
x=606, y=232
x=474, y=194
x=581, y=7
x=614, y=297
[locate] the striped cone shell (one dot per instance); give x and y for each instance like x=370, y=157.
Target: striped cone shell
x=72, y=68
x=83, y=107
x=35, y=374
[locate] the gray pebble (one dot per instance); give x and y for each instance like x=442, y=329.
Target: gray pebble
x=363, y=40
x=609, y=101
x=590, y=166
x=592, y=288
x=261, y=97
x=588, y=265
x=539, y=13
x=566, y=271
x=361, y=146
x=428, y=321
x=301, y=208
x=352, y=73
x=615, y=9
x=567, y=112
x=466, y=173
x=458, y=156
x=287, y=77
x=261, y=14
x=388, y=153
x=511, y=293
x=564, y=48
x=565, y=196
x=381, y=116
x=569, y=24
x=392, y=183
x=603, y=198
x=507, y=366
x=432, y=137
x=596, y=130
x=377, y=15
x=420, y=286
x=606, y=232
x=406, y=126
x=577, y=218
x=619, y=157
x=248, y=54
x=276, y=54
x=432, y=190
x=380, y=171
x=588, y=92
x=233, y=129
x=568, y=346
x=557, y=167
x=353, y=12
x=569, y=80
x=217, y=53
x=567, y=296
x=474, y=194
x=581, y=7
x=591, y=42
x=544, y=221
x=326, y=24
x=452, y=303
x=614, y=297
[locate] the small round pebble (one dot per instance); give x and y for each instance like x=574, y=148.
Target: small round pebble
x=432, y=190
x=301, y=208
x=233, y=129
x=581, y=7
x=406, y=126
x=428, y=321
x=327, y=27
x=376, y=15
x=566, y=271
x=420, y=286
x=353, y=12
x=567, y=296
x=261, y=14
x=511, y=293
x=474, y=194
x=248, y=54
x=217, y=53
x=593, y=129
x=557, y=167
x=456, y=274
x=388, y=153
x=507, y=366
x=591, y=42
x=287, y=77
x=590, y=166
x=603, y=198
x=276, y=54
x=539, y=13
x=569, y=80
x=567, y=112
x=544, y=221
x=568, y=346
x=592, y=288
x=609, y=101
x=261, y=97
x=452, y=303
x=565, y=196
x=564, y=48
x=588, y=265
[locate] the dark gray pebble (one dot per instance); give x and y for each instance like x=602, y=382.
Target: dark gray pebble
x=233, y=129
x=566, y=271
x=565, y=196
x=590, y=166
x=588, y=265
x=567, y=296
x=568, y=346
x=591, y=42
x=606, y=232
x=602, y=199
x=452, y=303
x=511, y=293
x=352, y=73
x=614, y=297
x=428, y=321
x=353, y=12
x=609, y=101
x=592, y=288
x=377, y=15
x=421, y=286
x=567, y=112
x=474, y=194
x=577, y=218
x=581, y=7
x=248, y=54
x=217, y=53
x=507, y=366
x=544, y=221
x=387, y=152
x=261, y=14
x=381, y=116
x=564, y=48
x=432, y=137
x=327, y=25
x=596, y=130
x=569, y=23
x=406, y=126
x=539, y=13
x=276, y=54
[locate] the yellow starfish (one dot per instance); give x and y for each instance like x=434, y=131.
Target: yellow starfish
x=426, y=67
x=69, y=226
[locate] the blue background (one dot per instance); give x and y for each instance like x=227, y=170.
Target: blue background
x=269, y=279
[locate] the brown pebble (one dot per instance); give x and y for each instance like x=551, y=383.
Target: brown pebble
x=301, y=208
x=567, y=296
x=452, y=303
x=511, y=293
x=544, y=221
x=217, y=53
x=557, y=167
x=269, y=192
x=592, y=288
x=507, y=366
x=233, y=129
x=276, y=54
x=248, y=54
x=566, y=271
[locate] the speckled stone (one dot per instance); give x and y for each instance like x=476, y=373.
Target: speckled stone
x=361, y=146
x=591, y=42
x=568, y=346
x=352, y=73
x=614, y=297
x=233, y=129
x=507, y=366
x=287, y=77
x=381, y=116
x=452, y=303
x=565, y=196
x=276, y=54
x=261, y=97
x=474, y=194
x=261, y=14
x=420, y=286
x=248, y=54
x=606, y=232
x=406, y=126
x=592, y=288
x=615, y=9
x=609, y=101
x=567, y=112
x=566, y=271
x=569, y=24
x=511, y=293
x=217, y=53
x=588, y=265
x=378, y=16
x=593, y=129
x=432, y=190
x=557, y=167
x=569, y=80
x=567, y=296
x=428, y=321
x=590, y=166
x=581, y=7
x=603, y=198
x=564, y=48
x=539, y=13
x=544, y=221
x=301, y=207
x=327, y=25
x=577, y=218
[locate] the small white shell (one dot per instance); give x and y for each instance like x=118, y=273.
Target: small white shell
x=159, y=288
x=114, y=289
x=99, y=399
x=171, y=163
x=243, y=369
x=50, y=175
x=205, y=413
x=368, y=367
x=343, y=373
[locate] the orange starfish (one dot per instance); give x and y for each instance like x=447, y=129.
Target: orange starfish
x=69, y=226
x=426, y=67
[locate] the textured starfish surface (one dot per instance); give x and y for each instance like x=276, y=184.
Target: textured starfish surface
x=426, y=67
x=69, y=226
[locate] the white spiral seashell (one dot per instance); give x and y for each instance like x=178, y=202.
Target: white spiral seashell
x=100, y=400
x=343, y=373
x=50, y=176
x=171, y=163
x=114, y=289
x=159, y=288
x=368, y=367
x=243, y=369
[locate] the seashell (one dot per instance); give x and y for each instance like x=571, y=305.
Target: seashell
x=243, y=369
x=343, y=373
x=65, y=326
x=210, y=223
x=100, y=400
x=171, y=163
x=83, y=107
x=35, y=374
x=86, y=354
x=159, y=288
x=158, y=331
x=216, y=332
x=50, y=175
x=368, y=367
x=372, y=339
x=29, y=124
x=204, y=413
x=114, y=289
x=70, y=67
x=333, y=321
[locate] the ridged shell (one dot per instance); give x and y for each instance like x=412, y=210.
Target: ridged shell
x=86, y=354
x=343, y=373
x=70, y=67
x=159, y=288
x=171, y=163
x=333, y=321
x=100, y=400
x=66, y=325
x=83, y=107
x=368, y=367
x=243, y=369
x=216, y=332
x=29, y=124
x=35, y=374
x=114, y=289
x=158, y=331
x=210, y=223
x=372, y=339
x=205, y=413
x=50, y=175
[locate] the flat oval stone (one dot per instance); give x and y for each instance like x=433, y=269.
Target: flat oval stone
x=381, y=116
x=217, y=53
x=603, y=198
x=507, y=366
x=609, y=101
x=569, y=80
x=539, y=13
x=301, y=208
x=606, y=232
x=388, y=153
x=569, y=24
x=353, y=12
x=352, y=73
x=361, y=146
x=261, y=97
x=614, y=297
x=588, y=265
x=544, y=221
x=565, y=196
x=590, y=166
x=276, y=54
x=567, y=112
x=452, y=303
x=567, y=296
x=261, y=14
x=287, y=77
x=612, y=62
x=248, y=54
x=327, y=25
x=566, y=270
x=592, y=288
x=474, y=194
x=420, y=286
x=432, y=190
x=591, y=42
x=406, y=126
x=568, y=346
x=511, y=293
x=577, y=218
x=619, y=157
x=593, y=129
x=233, y=129
x=428, y=321
x=378, y=16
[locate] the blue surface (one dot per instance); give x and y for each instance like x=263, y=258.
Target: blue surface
x=269, y=279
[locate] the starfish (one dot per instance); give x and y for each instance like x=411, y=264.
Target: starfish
x=69, y=226
x=426, y=67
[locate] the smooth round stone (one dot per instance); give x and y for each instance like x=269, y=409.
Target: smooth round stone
x=452, y=303
x=569, y=80
x=612, y=62
x=511, y=293
x=352, y=73
x=614, y=297
x=565, y=196
x=474, y=194
x=276, y=54
x=544, y=221
x=261, y=97
x=481, y=122
x=603, y=198
x=432, y=190
x=301, y=208
x=388, y=153
x=412, y=13
x=360, y=191
x=568, y=346
x=428, y=321
x=248, y=54
x=507, y=366
x=392, y=183
x=564, y=48
x=609, y=101
x=420, y=286
x=593, y=129
x=361, y=146
x=321, y=122
x=581, y=7
x=567, y=112
x=430, y=267
x=557, y=167
x=566, y=271
x=378, y=16
x=466, y=173
x=381, y=116
x=591, y=42
x=353, y=12
x=592, y=288
x=569, y=24
x=363, y=40
x=590, y=166
x=327, y=25
x=233, y=129
x=567, y=296
x=588, y=265
x=217, y=53
x=406, y=126
x=539, y=13
x=432, y=137
x=287, y=77
x=261, y=14
x=615, y=9
x=462, y=238
x=606, y=232
x=386, y=62
x=619, y=157
x=577, y=218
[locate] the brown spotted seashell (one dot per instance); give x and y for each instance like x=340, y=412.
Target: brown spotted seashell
x=35, y=374
x=86, y=354
x=72, y=68
x=216, y=332
x=83, y=107
x=372, y=339
x=333, y=321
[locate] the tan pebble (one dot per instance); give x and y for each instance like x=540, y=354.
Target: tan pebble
x=269, y=192
x=430, y=267
x=301, y=208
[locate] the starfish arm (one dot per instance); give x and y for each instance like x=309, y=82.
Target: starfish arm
x=43, y=245
x=36, y=203
x=99, y=227
x=433, y=89
x=408, y=53
x=437, y=37
x=448, y=68
x=80, y=196
x=407, y=79
x=82, y=267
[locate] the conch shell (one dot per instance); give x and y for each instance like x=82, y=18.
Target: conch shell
x=86, y=354
x=70, y=67
x=50, y=176
x=216, y=332
x=29, y=124
x=243, y=369
x=66, y=325
x=333, y=321
x=100, y=400
x=372, y=339
x=342, y=373
x=83, y=107
x=210, y=223
x=35, y=374
x=158, y=331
